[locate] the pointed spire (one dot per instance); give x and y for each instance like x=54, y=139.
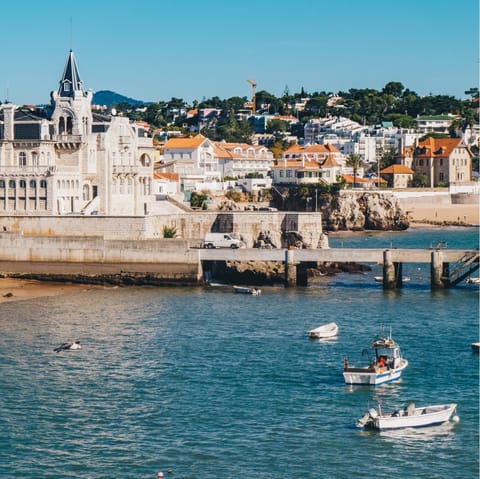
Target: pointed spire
x=70, y=82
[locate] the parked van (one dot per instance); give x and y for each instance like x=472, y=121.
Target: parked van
x=222, y=240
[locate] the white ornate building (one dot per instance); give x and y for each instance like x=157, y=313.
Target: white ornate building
x=64, y=159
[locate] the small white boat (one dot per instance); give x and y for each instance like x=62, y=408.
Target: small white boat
x=247, y=290
x=329, y=330
x=379, y=279
x=476, y=347
x=474, y=281
x=386, y=365
x=410, y=416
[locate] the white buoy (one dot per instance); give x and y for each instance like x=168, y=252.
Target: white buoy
x=456, y=419
x=159, y=475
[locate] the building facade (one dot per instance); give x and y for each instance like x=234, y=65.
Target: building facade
x=65, y=159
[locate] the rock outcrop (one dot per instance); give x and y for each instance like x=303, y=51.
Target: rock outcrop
x=360, y=211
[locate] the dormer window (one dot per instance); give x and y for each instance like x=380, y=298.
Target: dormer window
x=66, y=86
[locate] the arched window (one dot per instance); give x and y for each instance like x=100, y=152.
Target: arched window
x=2, y=184
x=129, y=186
x=12, y=184
x=86, y=192
x=122, y=186
x=69, y=125
x=22, y=184
x=33, y=184
x=43, y=184
x=145, y=160
x=34, y=158
x=22, y=159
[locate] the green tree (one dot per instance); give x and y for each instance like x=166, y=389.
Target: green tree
x=355, y=161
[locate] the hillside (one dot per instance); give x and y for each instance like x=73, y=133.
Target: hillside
x=110, y=98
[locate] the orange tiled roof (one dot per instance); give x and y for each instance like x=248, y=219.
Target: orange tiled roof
x=166, y=176
x=397, y=170
x=437, y=147
x=349, y=179
x=185, y=143
x=330, y=162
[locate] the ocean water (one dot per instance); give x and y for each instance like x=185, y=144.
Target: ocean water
x=205, y=383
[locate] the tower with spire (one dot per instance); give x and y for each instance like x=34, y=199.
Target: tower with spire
x=72, y=113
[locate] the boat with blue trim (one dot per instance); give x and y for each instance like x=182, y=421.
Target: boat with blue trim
x=385, y=366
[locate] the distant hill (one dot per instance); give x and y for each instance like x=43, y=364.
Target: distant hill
x=109, y=98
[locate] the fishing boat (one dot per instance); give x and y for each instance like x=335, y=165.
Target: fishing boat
x=410, y=416
x=329, y=330
x=385, y=366
x=247, y=290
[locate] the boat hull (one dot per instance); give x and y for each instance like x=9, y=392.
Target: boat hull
x=327, y=331
x=373, y=376
x=422, y=417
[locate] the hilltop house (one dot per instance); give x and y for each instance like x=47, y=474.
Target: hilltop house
x=64, y=159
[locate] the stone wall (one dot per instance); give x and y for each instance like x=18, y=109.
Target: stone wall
x=164, y=260
x=188, y=226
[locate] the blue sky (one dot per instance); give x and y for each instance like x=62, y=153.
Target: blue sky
x=154, y=50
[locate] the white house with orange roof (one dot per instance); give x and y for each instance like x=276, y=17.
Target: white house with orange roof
x=237, y=160
x=309, y=164
x=444, y=161
x=193, y=159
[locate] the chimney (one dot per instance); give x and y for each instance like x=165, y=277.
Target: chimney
x=9, y=120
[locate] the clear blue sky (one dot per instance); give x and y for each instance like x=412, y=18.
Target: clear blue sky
x=154, y=50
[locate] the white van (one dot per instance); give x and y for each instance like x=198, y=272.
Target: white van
x=222, y=240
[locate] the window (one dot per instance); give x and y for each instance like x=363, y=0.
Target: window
x=22, y=159
x=23, y=184
x=33, y=184
x=43, y=184
x=2, y=184
x=86, y=192
x=12, y=184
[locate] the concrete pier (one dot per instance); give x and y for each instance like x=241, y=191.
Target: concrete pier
x=436, y=270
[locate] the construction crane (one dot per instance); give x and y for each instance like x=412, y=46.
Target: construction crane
x=254, y=92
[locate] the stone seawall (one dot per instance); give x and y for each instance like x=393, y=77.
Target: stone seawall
x=162, y=261
x=188, y=226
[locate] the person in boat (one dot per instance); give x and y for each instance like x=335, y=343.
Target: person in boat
x=381, y=362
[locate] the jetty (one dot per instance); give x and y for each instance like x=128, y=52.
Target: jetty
x=448, y=267
x=182, y=262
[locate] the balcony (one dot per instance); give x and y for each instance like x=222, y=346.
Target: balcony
x=67, y=142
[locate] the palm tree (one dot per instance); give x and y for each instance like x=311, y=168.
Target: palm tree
x=355, y=161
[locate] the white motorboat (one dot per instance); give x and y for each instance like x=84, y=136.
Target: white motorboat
x=379, y=279
x=410, y=416
x=329, y=330
x=474, y=281
x=386, y=365
x=247, y=290
x=476, y=347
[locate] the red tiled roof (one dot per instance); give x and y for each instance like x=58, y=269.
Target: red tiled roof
x=397, y=170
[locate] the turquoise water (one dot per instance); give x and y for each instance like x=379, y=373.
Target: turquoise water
x=212, y=384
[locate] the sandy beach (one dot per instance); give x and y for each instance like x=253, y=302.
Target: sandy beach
x=14, y=289
x=444, y=214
